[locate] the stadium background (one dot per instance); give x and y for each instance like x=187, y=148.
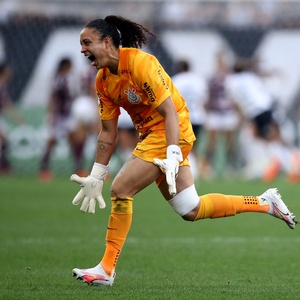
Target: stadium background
x=35, y=34
x=43, y=236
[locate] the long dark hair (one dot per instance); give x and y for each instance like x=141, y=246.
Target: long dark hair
x=123, y=32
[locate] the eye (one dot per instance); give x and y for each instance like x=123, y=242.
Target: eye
x=85, y=43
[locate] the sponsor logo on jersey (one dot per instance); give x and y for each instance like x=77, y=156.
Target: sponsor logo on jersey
x=139, y=121
x=100, y=104
x=162, y=79
x=125, y=71
x=103, y=78
x=150, y=92
x=143, y=136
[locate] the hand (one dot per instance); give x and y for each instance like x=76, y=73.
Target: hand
x=170, y=166
x=91, y=189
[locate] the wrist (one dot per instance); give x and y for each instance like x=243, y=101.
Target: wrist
x=174, y=152
x=99, y=171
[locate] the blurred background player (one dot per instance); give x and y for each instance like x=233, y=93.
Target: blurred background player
x=256, y=106
x=126, y=141
x=6, y=109
x=193, y=88
x=222, y=121
x=60, y=121
x=84, y=117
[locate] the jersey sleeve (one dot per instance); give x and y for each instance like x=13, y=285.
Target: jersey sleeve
x=106, y=108
x=152, y=78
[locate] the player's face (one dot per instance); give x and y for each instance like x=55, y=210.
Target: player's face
x=93, y=47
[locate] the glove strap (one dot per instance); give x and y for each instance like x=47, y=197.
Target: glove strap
x=99, y=171
x=174, y=152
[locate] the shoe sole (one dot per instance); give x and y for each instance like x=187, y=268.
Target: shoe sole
x=91, y=279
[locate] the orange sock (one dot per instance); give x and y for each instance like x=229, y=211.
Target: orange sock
x=219, y=206
x=118, y=227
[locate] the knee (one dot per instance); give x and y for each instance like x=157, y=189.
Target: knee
x=119, y=192
x=191, y=216
x=186, y=203
x=124, y=187
x=116, y=189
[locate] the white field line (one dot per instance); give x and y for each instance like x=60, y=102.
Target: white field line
x=216, y=240
x=165, y=240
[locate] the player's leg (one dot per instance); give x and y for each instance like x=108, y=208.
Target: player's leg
x=231, y=132
x=45, y=174
x=134, y=176
x=77, y=140
x=4, y=161
x=57, y=130
x=191, y=207
x=213, y=124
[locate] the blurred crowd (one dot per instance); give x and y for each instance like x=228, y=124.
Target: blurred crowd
x=235, y=109
x=70, y=116
x=175, y=13
x=234, y=117
x=237, y=120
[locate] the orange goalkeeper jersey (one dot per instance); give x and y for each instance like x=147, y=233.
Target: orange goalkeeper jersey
x=140, y=87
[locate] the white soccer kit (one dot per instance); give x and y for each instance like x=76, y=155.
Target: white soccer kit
x=248, y=91
x=194, y=91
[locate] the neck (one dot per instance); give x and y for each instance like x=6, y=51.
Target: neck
x=114, y=61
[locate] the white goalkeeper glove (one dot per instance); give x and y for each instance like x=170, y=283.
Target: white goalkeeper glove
x=91, y=189
x=170, y=166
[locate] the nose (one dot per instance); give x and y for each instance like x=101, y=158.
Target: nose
x=82, y=49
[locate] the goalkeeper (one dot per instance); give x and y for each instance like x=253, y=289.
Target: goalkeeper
x=130, y=78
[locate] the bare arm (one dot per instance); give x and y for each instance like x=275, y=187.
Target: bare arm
x=168, y=111
x=170, y=165
x=106, y=141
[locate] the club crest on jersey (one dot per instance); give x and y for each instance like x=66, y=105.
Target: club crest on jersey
x=132, y=96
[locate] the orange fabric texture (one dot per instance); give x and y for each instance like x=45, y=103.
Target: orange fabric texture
x=118, y=227
x=140, y=94
x=219, y=206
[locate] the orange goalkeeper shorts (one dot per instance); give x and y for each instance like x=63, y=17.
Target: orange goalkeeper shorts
x=154, y=146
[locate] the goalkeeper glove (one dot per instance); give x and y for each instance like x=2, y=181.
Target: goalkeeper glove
x=91, y=189
x=170, y=166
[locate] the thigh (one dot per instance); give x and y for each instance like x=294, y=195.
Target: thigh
x=135, y=175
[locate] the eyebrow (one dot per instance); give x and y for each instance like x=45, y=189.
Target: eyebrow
x=85, y=40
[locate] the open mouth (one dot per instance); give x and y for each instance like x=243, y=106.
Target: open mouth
x=91, y=58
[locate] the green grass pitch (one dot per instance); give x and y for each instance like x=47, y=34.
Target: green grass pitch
x=43, y=237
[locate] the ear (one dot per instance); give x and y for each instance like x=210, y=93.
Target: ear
x=107, y=42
